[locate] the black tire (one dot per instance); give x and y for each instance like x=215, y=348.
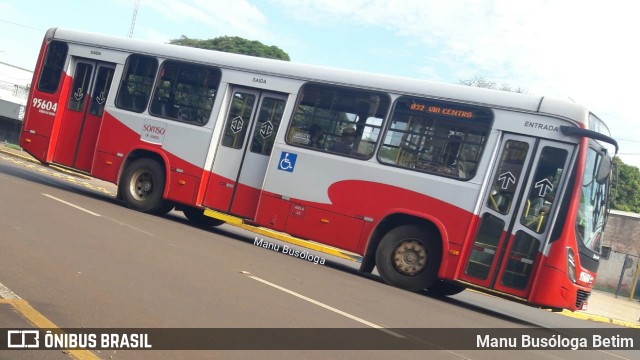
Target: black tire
x=408, y=257
x=198, y=218
x=142, y=185
x=444, y=288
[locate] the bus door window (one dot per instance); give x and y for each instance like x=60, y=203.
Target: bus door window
x=503, y=194
x=80, y=87
x=509, y=172
x=73, y=122
x=543, y=192
x=534, y=216
x=269, y=117
x=92, y=121
x=239, y=168
x=238, y=120
x=101, y=90
x=82, y=120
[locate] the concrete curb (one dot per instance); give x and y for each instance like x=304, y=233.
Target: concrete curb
x=600, y=318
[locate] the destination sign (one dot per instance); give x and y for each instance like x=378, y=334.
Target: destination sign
x=438, y=110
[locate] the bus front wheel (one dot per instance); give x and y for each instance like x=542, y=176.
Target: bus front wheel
x=408, y=257
x=142, y=185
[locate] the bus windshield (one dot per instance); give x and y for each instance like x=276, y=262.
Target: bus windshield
x=592, y=212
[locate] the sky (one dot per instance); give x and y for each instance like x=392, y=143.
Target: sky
x=583, y=50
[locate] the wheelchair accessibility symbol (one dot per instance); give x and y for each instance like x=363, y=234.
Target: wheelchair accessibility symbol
x=287, y=161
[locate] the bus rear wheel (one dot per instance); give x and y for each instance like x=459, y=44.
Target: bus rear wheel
x=198, y=218
x=142, y=185
x=408, y=257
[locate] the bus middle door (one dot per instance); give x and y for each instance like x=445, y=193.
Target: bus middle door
x=83, y=112
x=240, y=165
x=517, y=213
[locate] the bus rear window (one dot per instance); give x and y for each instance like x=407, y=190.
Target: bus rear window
x=436, y=137
x=52, y=68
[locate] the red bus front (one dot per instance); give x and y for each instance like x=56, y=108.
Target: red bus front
x=541, y=223
x=574, y=250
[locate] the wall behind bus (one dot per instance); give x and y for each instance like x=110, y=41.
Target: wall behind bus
x=617, y=271
x=622, y=233
x=9, y=130
x=14, y=88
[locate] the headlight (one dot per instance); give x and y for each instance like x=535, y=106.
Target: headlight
x=571, y=265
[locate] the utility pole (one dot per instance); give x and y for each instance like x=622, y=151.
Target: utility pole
x=133, y=18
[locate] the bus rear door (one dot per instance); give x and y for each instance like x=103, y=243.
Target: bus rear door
x=240, y=165
x=517, y=213
x=83, y=110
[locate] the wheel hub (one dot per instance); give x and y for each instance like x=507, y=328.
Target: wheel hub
x=145, y=186
x=141, y=184
x=410, y=257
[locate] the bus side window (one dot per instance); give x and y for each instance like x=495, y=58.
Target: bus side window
x=135, y=86
x=185, y=92
x=436, y=137
x=338, y=120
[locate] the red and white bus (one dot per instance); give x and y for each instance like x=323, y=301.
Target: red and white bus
x=438, y=186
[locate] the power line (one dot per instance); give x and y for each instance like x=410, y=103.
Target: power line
x=22, y=25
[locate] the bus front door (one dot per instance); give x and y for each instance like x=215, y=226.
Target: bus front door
x=240, y=164
x=517, y=214
x=83, y=109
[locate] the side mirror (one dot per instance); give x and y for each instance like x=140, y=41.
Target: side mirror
x=604, y=170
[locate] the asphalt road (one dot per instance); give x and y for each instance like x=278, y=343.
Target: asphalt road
x=82, y=260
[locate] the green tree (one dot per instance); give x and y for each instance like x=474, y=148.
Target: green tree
x=626, y=187
x=236, y=45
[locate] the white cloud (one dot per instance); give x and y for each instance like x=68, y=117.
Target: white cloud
x=238, y=17
x=586, y=50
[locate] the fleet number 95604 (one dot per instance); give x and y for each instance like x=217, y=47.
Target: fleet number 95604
x=47, y=105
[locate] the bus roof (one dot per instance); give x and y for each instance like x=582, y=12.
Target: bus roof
x=280, y=68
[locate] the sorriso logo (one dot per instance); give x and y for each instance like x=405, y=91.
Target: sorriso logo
x=154, y=129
